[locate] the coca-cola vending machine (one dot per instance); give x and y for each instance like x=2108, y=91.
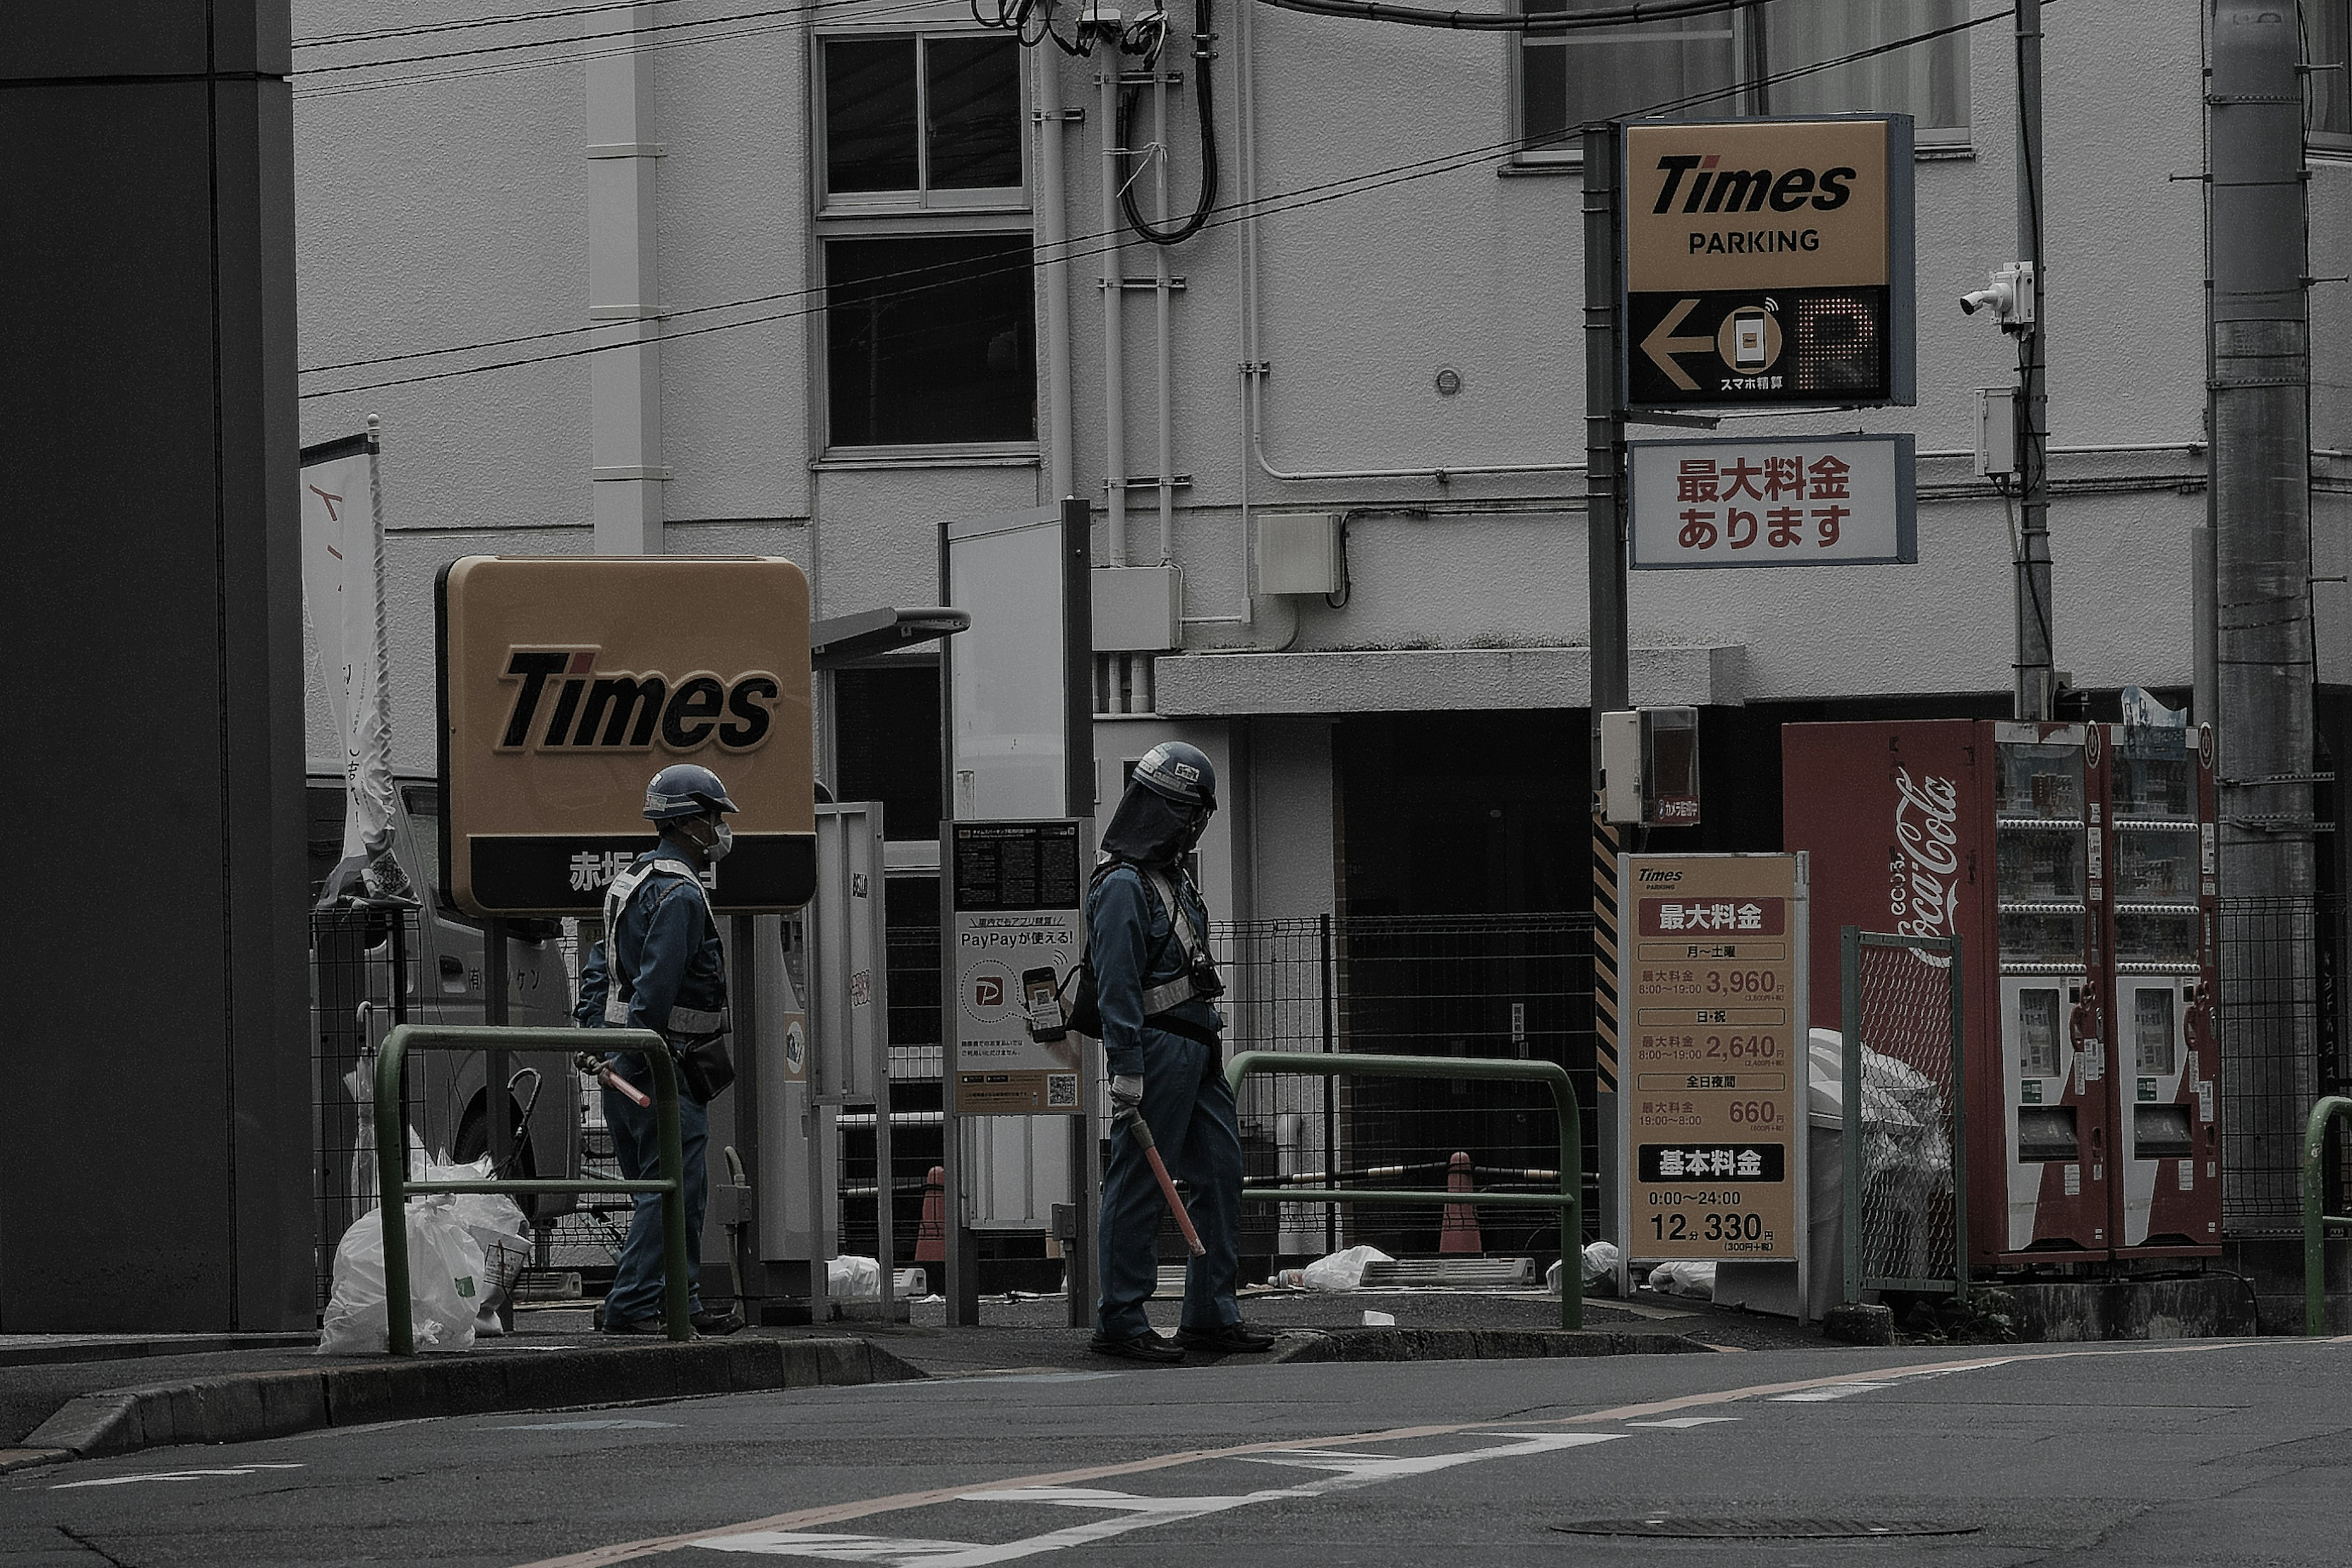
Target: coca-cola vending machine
x=2075, y=862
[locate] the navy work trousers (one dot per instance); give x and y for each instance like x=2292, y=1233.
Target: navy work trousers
x=1190, y=1109
x=637, y=1290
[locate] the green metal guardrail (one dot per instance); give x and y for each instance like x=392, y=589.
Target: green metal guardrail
x=392, y=1154
x=2315, y=1221
x=1568, y=1200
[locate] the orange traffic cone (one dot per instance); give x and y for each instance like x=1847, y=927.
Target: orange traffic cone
x=931, y=1235
x=1458, y=1232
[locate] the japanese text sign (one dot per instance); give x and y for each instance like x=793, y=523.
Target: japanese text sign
x=1773, y=501
x=1016, y=891
x=1712, y=1086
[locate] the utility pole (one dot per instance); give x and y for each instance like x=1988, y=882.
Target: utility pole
x=2036, y=678
x=2259, y=468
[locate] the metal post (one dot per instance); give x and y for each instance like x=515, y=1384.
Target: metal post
x=2315, y=1213
x=743, y=971
x=1604, y=535
x=497, y=1105
x=1080, y=1264
x=2036, y=678
x=1959, y=1129
x=1327, y=980
x=1850, y=1099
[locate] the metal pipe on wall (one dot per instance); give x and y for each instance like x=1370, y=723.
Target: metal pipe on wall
x=1054, y=262
x=1114, y=251
x=1161, y=334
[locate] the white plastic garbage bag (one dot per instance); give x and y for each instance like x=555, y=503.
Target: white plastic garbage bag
x=1341, y=1270
x=853, y=1279
x=499, y=1227
x=445, y=1272
x=1683, y=1278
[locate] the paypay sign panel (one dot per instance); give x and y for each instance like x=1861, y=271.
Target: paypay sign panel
x=1711, y=971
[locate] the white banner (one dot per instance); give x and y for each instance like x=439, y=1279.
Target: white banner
x=339, y=594
x=1772, y=500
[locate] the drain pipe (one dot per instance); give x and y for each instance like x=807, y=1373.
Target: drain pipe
x=1113, y=282
x=1052, y=247
x=1160, y=301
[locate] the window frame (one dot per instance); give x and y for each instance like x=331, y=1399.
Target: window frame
x=2333, y=146
x=1005, y=211
x=921, y=200
x=1748, y=48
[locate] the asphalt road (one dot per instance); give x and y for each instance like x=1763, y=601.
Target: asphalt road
x=2190, y=1452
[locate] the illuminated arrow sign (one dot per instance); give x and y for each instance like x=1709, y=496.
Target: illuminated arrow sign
x=1662, y=345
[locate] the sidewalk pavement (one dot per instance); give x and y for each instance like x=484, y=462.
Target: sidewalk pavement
x=75, y=1397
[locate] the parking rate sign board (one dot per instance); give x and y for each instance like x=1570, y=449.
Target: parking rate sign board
x=1772, y=500
x=1767, y=261
x=1711, y=971
x=1019, y=927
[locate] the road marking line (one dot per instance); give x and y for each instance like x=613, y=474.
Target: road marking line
x=1824, y=1396
x=1132, y=1511
x=839, y=1513
x=170, y=1475
x=1679, y=1422
x=586, y=1427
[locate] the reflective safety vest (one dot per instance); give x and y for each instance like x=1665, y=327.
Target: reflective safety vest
x=683, y=1020
x=1159, y=998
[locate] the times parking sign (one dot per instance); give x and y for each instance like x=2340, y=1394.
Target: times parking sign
x=1767, y=261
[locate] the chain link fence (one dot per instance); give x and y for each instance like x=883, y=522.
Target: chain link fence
x=1901, y=1146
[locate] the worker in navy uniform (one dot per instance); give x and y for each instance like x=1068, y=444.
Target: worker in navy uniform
x=660, y=967
x=1147, y=940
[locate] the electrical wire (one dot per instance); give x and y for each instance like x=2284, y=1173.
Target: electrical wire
x=330, y=40
x=1295, y=200
x=1537, y=23
x=1203, y=37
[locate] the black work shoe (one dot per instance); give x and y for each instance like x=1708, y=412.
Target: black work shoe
x=653, y=1326
x=1146, y=1347
x=716, y=1323
x=1230, y=1339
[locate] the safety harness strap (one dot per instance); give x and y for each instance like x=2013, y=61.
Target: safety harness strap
x=683, y=1021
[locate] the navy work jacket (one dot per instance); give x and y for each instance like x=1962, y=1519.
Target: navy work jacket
x=1125, y=925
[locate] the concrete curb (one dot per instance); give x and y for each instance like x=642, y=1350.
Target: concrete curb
x=1473, y=1344
x=242, y=1407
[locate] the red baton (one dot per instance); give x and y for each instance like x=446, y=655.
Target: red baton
x=1142, y=1136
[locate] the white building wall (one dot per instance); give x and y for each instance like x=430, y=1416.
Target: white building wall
x=440, y=212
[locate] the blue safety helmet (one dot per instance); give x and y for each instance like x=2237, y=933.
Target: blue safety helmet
x=1180, y=772
x=685, y=789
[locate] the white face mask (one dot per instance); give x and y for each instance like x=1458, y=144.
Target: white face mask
x=723, y=839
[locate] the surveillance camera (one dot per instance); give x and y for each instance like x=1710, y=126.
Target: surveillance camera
x=1983, y=299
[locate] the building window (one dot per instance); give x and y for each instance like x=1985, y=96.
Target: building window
x=923, y=211
x=2326, y=32
x=1719, y=63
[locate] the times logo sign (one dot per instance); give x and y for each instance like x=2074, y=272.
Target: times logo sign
x=566, y=683
x=565, y=702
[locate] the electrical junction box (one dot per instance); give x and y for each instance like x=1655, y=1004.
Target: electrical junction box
x=1997, y=432
x=1649, y=767
x=1298, y=553
x=1136, y=609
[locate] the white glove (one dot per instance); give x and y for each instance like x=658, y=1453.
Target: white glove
x=1126, y=1097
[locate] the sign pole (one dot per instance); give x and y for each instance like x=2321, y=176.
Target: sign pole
x=1078, y=714
x=1604, y=531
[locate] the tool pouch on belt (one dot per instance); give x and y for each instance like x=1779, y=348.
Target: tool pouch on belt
x=705, y=1067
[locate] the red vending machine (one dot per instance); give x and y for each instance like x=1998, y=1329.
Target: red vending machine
x=2074, y=861
x=2159, y=820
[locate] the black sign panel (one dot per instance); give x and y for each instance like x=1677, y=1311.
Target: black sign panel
x=1003, y=865
x=558, y=873
x=1789, y=345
